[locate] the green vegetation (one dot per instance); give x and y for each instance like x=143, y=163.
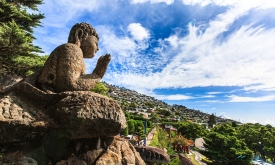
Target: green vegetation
x=174, y=161
x=125, y=132
x=17, y=53
x=160, y=139
x=212, y=120
x=232, y=144
x=191, y=130
x=193, y=159
x=100, y=88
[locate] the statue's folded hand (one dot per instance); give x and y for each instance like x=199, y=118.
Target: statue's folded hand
x=103, y=60
x=102, y=64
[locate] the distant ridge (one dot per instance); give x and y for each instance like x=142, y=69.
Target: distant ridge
x=133, y=101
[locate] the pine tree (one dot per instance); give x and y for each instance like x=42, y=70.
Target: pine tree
x=16, y=35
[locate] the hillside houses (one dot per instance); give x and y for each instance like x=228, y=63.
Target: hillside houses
x=135, y=102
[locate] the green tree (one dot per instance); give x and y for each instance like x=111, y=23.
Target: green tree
x=125, y=131
x=150, y=105
x=212, y=120
x=131, y=126
x=149, y=123
x=252, y=134
x=164, y=112
x=140, y=129
x=100, y=88
x=133, y=105
x=16, y=34
x=191, y=130
x=226, y=150
x=155, y=118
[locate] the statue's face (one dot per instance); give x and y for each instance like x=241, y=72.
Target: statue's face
x=89, y=46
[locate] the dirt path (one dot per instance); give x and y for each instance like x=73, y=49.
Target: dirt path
x=150, y=136
x=198, y=157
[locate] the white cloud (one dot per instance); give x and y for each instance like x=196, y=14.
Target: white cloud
x=58, y=13
x=263, y=87
x=263, y=121
x=269, y=121
x=212, y=101
x=234, y=98
x=173, y=40
x=207, y=96
x=244, y=58
x=138, y=32
x=173, y=97
x=214, y=93
x=251, y=4
x=224, y=115
x=168, y=2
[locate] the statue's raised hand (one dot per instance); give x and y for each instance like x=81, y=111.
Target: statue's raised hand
x=102, y=64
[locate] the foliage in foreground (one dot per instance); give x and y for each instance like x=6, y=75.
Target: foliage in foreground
x=16, y=36
x=232, y=144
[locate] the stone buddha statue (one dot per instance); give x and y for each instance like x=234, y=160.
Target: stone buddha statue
x=64, y=70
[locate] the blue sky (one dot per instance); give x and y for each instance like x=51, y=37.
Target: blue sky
x=217, y=56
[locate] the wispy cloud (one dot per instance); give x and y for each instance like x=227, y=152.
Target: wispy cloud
x=204, y=60
x=212, y=101
x=234, y=98
x=214, y=93
x=208, y=96
x=173, y=97
x=255, y=3
x=168, y=2
x=62, y=11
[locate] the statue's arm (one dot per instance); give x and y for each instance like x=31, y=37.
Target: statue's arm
x=90, y=80
x=71, y=71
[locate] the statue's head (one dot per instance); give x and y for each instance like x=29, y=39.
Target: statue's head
x=84, y=36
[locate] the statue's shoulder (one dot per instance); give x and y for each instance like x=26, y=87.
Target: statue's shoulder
x=67, y=50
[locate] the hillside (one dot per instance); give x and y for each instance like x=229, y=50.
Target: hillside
x=134, y=102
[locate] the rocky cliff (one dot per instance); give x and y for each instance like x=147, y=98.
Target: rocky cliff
x=78, y=127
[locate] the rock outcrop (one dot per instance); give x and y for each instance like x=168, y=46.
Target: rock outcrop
x=49, y=128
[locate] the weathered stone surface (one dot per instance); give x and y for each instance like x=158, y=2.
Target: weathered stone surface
x=72, y=161
x=88, y=115
x=82, y=114
x=64, y=70
x=8, y=80
x=21, y=120
x=152, y=154
x=120, y=152
x=22, y=160
x=91, y=156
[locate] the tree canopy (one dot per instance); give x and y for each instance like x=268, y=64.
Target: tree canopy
x=17, y=20
x=227, y=144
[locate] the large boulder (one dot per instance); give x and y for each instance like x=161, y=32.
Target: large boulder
x=75, y=127
x=27, y=112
